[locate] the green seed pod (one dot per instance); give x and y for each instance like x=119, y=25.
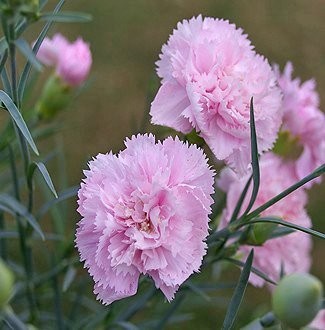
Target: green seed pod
x=259, y=233
x=6, y=284
x=297, y=299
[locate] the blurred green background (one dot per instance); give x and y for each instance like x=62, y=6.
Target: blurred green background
x=126, y=37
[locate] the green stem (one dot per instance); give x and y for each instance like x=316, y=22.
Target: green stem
x=3, y=245
x=24, y=232
x=24, y=248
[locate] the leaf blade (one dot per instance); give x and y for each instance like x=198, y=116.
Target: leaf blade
x=238, y=295
x=16, y=207
x=255, y=162
x=66, y=17
x=18, y=119
x=27, y=51
x=45, y=174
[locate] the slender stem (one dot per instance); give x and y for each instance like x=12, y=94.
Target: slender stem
x=3, y=245
x=24, y=231
x=24, y=248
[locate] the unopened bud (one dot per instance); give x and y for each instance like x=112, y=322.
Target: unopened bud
x=259, y=233
x=297, y=299
x=55, y=97
x=6, y=284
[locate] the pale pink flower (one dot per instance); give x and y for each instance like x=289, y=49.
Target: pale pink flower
x=293, y=250
x=209, y=73
x=144, y=211
x=319, y=322
x=51, y=49
x=303, y=120
x=72, y=61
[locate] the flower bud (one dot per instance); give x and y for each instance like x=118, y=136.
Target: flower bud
x=297, y=299
x=55, y=97
x=259, y=233
x=6, y=284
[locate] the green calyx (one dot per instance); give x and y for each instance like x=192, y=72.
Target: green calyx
x=259, y=233
x=55, y=97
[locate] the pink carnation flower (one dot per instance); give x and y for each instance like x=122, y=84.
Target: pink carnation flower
x=50, y=50
x=72, y=61
x=319, y=322
x=303, y=119
x=293, y=250
x=209, y=73
x=144, y=211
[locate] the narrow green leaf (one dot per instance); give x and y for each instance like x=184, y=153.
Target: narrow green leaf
x=43, y=170
x=4, y=57
x=5, y=81
x=254, y=156
x=27, y=51
x=253, y=270
x=27, y=68
x=66, y=17
x=12, y=320
x=18, y=119
x=127, y=325
x=283, y=223
x=63, y=195
x=68, y=278
x=281, y=231
x=318, y=172
x=238, y=295
x=241, y=200
x=12, y=205
x=222, y=233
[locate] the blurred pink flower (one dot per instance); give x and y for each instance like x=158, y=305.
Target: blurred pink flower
x=319, y=322
x=293, y=250
x=144, y=211
x=50, y=49
x=72, y=61
x=303, y=120
x=209, y=73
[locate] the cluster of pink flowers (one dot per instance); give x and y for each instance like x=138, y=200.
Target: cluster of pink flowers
x=72, y=61
x=144, y=211
x=291, y=251
x=303, y=120
x=209, y=73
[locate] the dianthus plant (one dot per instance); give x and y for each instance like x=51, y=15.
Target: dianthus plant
x=157, y=221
